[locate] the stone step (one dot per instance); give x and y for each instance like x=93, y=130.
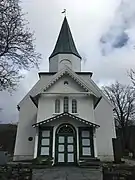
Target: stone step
x=89, y=159
x=67, y=173
x=90, y=166
x=89, y=162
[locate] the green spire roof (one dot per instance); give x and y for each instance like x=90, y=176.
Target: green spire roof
x=65, y=43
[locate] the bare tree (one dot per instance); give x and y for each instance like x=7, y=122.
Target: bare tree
x=132, y=76
x=17, y=51
x=123, y=99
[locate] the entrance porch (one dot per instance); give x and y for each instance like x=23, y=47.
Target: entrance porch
x=68, y=139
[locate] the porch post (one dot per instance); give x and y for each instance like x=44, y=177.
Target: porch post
x=54, y=146
x=95, y=143
x=36, y=142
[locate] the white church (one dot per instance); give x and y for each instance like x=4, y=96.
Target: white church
x=65, y=115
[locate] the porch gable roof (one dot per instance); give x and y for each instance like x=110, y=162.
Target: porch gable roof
x=66, y=115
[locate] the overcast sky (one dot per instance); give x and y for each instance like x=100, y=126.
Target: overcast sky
x=103, y=31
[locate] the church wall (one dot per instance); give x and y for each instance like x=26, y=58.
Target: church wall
x=24, y=149
x=56, y=62
x=106, y=131
x=75, y=61
x=71, y=87
x=46, y=107
x=53, y=64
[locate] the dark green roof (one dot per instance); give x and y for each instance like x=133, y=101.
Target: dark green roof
x=65, y=43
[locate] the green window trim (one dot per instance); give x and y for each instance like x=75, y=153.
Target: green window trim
x=65, y=142
x=90, y=138
x=50, y=138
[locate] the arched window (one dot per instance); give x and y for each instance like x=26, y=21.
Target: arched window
x=74, y=106
x=65, y=108
x=66, y=128
x=57, y=106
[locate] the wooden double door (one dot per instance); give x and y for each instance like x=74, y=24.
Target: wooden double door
x=65, y=153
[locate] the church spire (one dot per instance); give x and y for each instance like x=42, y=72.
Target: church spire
x=65, y=43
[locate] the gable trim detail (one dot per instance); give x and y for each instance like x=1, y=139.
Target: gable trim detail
x=74, y=76
x=68, y=115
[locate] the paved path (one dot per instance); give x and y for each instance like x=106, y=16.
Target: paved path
x=67, y=173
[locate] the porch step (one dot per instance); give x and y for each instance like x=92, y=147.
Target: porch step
x=93, y=163
x=67, y=173
x=90, y=159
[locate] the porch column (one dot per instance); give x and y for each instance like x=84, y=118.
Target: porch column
x=36, y=143
x=95, y=143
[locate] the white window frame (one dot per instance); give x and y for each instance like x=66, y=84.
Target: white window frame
x=74, y=106
x=57, y=106
x=66, y=104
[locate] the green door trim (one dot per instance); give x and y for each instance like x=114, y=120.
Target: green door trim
x=90, y=129
x=42, y=128
x=66, y=135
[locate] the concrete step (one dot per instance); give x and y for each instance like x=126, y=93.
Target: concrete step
x=90, y=159
x=67, y=173
x=90, y=162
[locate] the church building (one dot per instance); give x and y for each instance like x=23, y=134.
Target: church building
x=65, y=115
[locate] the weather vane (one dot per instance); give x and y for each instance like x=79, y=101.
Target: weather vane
x=64, y=12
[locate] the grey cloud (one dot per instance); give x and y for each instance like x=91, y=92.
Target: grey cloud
x=9, y=102
x=117, y=35
x=121, y=40
x=112, y=41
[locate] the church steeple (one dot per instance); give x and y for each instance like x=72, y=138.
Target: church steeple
x=65, y=52
x=65, y=43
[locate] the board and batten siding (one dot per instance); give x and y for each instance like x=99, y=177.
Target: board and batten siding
x=104, y=134
x=24, y=149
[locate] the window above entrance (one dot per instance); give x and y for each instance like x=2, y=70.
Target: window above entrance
x=65, y=129
x=66, y=104
x=57, y=106
x=74, y=106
